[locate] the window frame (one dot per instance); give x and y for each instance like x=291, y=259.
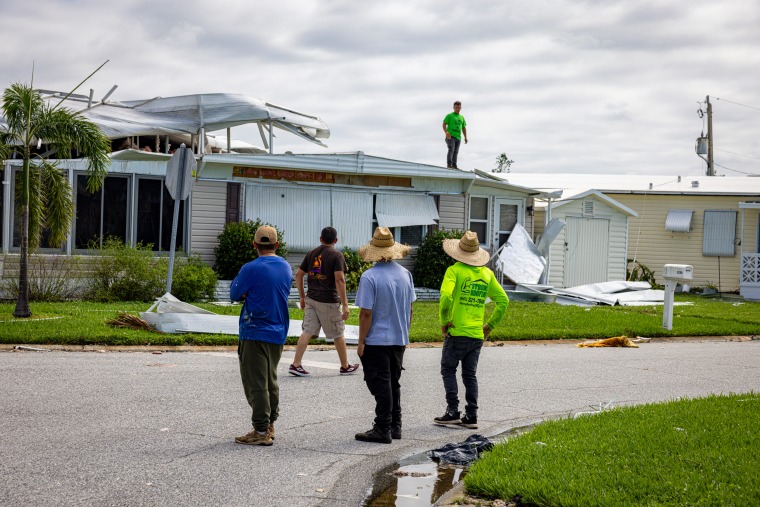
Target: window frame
x=487, y=220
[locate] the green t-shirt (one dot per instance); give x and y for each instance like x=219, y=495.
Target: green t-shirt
x=463, y=299
x=454, y=124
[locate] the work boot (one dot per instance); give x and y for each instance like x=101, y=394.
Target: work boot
x=396, y=432
x=470, y=421
x=375, y=435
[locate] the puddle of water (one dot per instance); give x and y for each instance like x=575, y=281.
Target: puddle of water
x=418, y=481
x=414, y=484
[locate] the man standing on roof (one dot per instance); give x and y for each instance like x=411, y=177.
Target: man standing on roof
x=263, y=285
x=326, y=270
x=385, y=296
x=453, y=127
x=464, y=290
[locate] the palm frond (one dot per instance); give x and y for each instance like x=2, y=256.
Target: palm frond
x=58, y=202
x=36, y=205
x=19, y=101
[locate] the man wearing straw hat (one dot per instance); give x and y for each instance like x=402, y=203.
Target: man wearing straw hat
x=464, y=290
x=385, y=296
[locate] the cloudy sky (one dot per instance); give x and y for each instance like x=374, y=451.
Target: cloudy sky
x=595, y=86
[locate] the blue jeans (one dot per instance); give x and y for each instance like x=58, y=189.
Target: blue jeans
x=466, y=350
x=451, y=157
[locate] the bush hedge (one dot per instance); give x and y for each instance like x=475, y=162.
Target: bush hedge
x=355, y=266
x=193, y=280
x=431, y=261
x=235, y=247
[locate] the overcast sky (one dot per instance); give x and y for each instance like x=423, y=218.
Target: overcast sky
x=589, y=86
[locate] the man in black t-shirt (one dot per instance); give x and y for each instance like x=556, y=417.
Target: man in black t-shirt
x=326, y=271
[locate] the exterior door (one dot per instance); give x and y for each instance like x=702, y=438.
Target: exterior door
x=586, y=250
x=507, y=213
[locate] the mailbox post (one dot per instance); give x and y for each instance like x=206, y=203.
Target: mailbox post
x=673, y=273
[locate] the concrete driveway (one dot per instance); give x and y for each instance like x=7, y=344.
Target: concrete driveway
x=136, y=428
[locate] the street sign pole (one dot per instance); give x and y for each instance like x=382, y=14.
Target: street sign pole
x=179, y=171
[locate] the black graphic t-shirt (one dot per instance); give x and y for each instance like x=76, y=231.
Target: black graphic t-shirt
x=320, y=266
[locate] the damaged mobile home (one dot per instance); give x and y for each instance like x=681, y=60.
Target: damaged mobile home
x=300, y=193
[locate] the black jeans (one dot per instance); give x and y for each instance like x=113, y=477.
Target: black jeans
x=382, y=367
x=451, y=157
x=466, y=350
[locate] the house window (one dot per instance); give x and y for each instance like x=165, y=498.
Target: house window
x=2, y=216
x=101, y=214
x=719, y=237
x=411, y=235
x=479, y=218
x=155, y=212
x=44, y=243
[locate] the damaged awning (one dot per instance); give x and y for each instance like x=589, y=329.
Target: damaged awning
x=402, y=210
x=679, y=220
x=189, y=114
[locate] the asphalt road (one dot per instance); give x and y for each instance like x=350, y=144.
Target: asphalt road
x=135, y=428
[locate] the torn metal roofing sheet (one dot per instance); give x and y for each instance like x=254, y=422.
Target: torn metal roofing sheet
x=188, y=114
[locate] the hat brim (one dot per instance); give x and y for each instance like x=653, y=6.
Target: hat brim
x=478, y=258
x=372, y=253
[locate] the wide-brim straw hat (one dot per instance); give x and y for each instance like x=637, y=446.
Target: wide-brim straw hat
x=467, y=250
x=383, y=247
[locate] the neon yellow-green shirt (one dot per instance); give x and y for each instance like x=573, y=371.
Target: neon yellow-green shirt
x=463, y=299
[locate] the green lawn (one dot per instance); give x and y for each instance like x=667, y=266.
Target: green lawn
x=83, y=323
x=699, y=452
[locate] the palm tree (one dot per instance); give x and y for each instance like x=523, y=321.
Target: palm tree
x=43, y=194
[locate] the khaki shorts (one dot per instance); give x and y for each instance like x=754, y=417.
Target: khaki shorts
x=326, y=316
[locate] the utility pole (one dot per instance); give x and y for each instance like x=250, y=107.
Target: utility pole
x=710, y=166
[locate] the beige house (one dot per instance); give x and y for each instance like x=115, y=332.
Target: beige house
x=696, y=220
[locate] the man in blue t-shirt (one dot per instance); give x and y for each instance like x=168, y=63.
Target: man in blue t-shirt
x=385, y=296
x=263, y=285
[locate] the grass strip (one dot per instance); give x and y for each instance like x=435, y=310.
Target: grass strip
x=695, y=452
x=84, y=323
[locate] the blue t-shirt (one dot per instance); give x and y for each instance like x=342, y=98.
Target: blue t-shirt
x=388, y=290
x=265, y=283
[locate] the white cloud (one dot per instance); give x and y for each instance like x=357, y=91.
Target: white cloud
x=560, y=85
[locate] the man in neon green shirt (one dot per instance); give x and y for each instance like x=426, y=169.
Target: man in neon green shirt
x=453, y=127
x=465, y=287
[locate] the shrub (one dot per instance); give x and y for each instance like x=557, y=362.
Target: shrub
x=126, y=273
x=52, y=278
x=235, y=247
x=431, y=261
x=355, y=266
x=194, y=280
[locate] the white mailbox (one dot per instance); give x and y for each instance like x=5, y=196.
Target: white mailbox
x=679, y=272
x=673, y=273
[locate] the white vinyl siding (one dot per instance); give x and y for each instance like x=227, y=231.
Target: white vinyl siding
x=451, y=212
x=300, y=213
x=352, y=217
x=208, y=211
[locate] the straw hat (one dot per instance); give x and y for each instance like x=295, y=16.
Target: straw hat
x=383, y=247
x=467, y=250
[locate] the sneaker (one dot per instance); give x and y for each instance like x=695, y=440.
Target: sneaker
x=396, y=432
x=448, y=418
x=270, y=431
x=255, y=438
x=298, y=371
x=350, y=369
x=470, y=422
x=375, y=435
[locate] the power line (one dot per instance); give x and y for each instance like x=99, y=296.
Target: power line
x=734, y=153
x=737, y=103
x=734, y=170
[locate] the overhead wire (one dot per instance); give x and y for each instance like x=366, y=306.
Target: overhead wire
x=737, y=103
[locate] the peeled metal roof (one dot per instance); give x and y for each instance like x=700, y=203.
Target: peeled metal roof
x=187, y=114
